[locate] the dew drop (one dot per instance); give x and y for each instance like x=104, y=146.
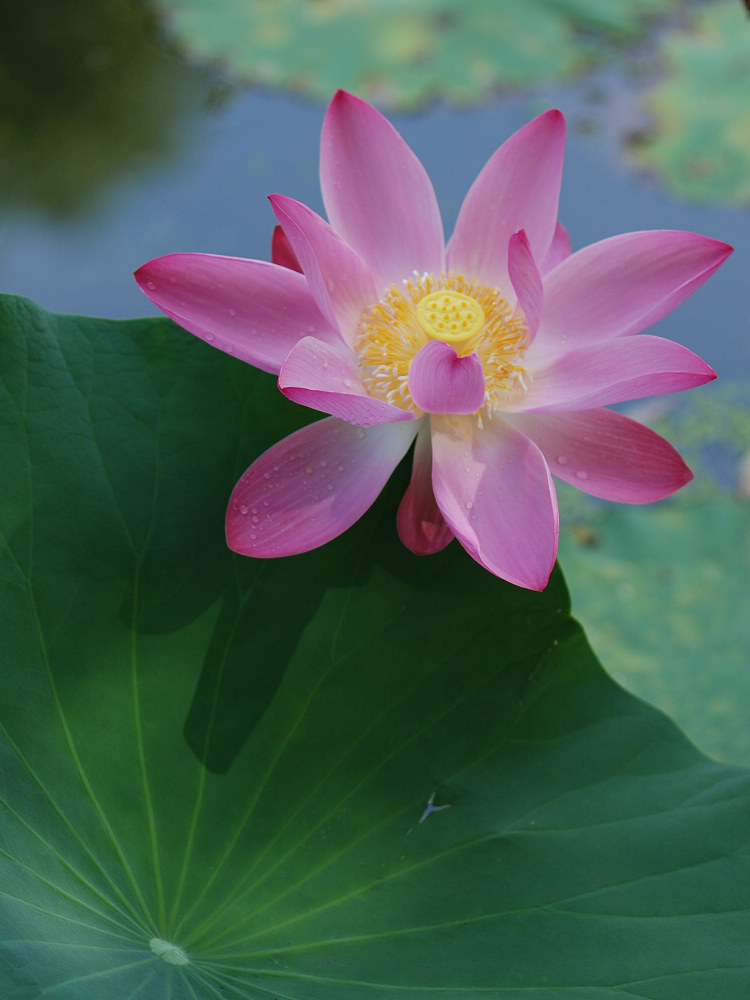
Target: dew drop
x=243, y=509
x=348, y=383
x=581, y=474
x=361, y=433
x=469, y=504
x=562, y=460
x=253, y=535
x=323, y=463
x=210, y=338
x=255, y=519
x=266, y=475
x=309, y=470
x=329, y=487
x=151, y=285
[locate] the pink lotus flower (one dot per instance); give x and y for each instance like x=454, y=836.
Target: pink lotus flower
x=495, y=354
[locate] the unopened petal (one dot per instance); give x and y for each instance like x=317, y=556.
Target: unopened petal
x=377, y=194
x=312, y=486
x=251, y=309
x=519, y=188
x=622, y=285
x=495, y=492
x=613, y=372
x=421, y=526
x=442, y=382
x=339, y=279
x=327, y=378
x=606, y=454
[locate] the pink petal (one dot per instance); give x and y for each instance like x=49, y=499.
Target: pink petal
x=559, y=249
x=606, y=454
x=518, y=189
x=442, y=382
x=312, y=486
x=421, y=526
x=495, y=491
x=612, y=372
x=377, y=194
x=326, y=377
x=526, y=280
x=282, y=252
x=339, y=280
x=249, y=308
x=622, y=285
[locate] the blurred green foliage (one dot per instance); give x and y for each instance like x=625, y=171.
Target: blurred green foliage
x=403, y=54
x=699, y=139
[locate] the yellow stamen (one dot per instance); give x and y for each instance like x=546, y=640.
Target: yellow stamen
x=469, y=315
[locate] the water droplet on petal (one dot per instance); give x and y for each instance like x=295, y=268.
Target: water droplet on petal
x=582, y=475
x=562, y=460
x=266, y=475
x=151, y=285
x=469, y=504
x=309, y=470
x=323, y=463
x=361, y=433
x=243, y=509
x=348, y=383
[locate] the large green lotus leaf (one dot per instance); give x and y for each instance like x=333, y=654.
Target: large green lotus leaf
x=224, y=778
x=699, y=139
x=402, y=53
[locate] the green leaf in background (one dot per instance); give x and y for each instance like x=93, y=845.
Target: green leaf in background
x=403, y=54
x=339, y=700
x=662, y=594
x=699, y=139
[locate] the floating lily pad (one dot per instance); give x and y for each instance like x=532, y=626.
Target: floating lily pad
x=403, y=54
x=699, y=139
x=350, y=775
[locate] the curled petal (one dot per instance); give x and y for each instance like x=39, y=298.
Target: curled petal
x=519, y=188
x=613, y=372
x=606, y=454
x=526, y=280
x=495, y=492
x=249, y=308
x=326, y=377
x=421, y=526
x=312, y=486
x=623, y=285
x=377, y=194
x=442, y=382
x=339, y=280
x=282, y=252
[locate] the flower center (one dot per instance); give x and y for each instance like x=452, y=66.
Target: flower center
x=468, y=315
x=450, y=316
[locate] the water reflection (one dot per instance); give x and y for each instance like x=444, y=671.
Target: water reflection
x=86, y=96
